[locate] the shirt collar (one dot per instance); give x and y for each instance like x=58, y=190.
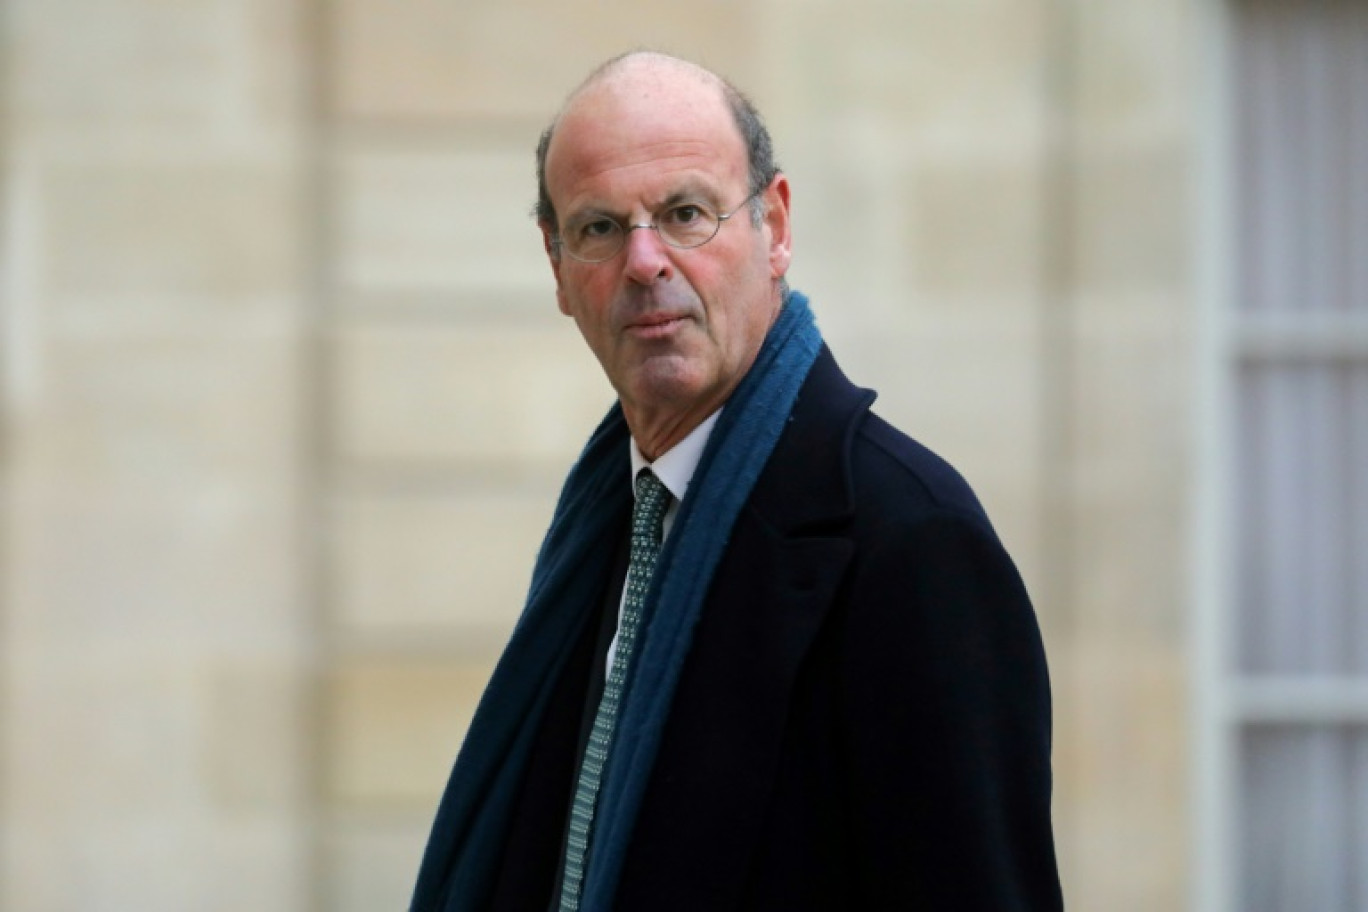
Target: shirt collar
x=675, y=467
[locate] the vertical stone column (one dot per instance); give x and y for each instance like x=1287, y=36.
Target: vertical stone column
x=1127, y=329
x=154, y=627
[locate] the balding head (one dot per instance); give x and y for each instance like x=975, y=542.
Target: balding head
x=636, y=66
x=644, y=70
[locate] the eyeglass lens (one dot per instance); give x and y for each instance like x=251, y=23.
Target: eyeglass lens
x=685, y=225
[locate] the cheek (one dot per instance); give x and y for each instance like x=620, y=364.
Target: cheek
x=578, y=297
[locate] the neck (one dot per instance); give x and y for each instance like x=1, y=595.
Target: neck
x=656, y=431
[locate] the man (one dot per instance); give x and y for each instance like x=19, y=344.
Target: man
x=826, y=689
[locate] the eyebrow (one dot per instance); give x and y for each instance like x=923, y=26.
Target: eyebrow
x=590, y=214
x=690, y=192
x=693, y=192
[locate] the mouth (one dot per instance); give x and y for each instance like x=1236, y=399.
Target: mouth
x=655, y=326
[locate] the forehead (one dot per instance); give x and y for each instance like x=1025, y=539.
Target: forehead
x=642, y=131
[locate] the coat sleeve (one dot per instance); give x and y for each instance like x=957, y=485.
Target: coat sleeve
x=946, y=724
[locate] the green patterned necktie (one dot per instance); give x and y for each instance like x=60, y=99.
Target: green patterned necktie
x=647, y=518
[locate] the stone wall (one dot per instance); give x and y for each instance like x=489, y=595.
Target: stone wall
x=286, y=398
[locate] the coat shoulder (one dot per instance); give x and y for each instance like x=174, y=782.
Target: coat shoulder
x=894, y=474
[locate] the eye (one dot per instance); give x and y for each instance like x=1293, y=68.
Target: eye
x=596, y=230
x=685, y=214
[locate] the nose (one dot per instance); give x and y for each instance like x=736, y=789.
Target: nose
x=647, y=256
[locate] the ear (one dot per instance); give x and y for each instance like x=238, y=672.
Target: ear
x=777, y=221
x=554, y=258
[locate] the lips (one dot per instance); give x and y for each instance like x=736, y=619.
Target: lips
x=656, y=324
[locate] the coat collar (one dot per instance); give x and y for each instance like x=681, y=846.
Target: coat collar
x=807, y=486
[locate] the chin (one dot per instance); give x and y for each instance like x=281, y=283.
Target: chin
x=672, y=382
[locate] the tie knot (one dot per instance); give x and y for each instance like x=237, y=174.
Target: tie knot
x=649, y=488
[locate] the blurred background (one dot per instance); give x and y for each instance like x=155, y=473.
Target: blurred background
x=285, y=401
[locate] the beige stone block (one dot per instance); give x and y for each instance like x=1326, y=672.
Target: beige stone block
x=214, y=569
x=497, y=61
x=213, y=69
x=1131, y=553
x=1121, y=759
x=441, y=222
x=114, y=784
x=394, y=728
x=967, y=386
x=513, y=397
x=1135, y=68
x=979, y=229
x=455, y=567
x=35, y=867
x=896, y=247
x=98, y=736
x=1131, y=468
x=1133, y=375
x=162, y=406
x=1132, y=229
x=854, y=255
x=256, y=738
x=936, y=72
x=151, y=493
x=912, y=133
x=206, y=235
x=156, y=865
x=259, y=862
x=373, y=864
x=281, y=46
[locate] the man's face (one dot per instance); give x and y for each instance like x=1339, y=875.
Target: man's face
x=675, y=330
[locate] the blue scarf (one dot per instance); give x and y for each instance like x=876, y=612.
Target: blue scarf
x=464, y=849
